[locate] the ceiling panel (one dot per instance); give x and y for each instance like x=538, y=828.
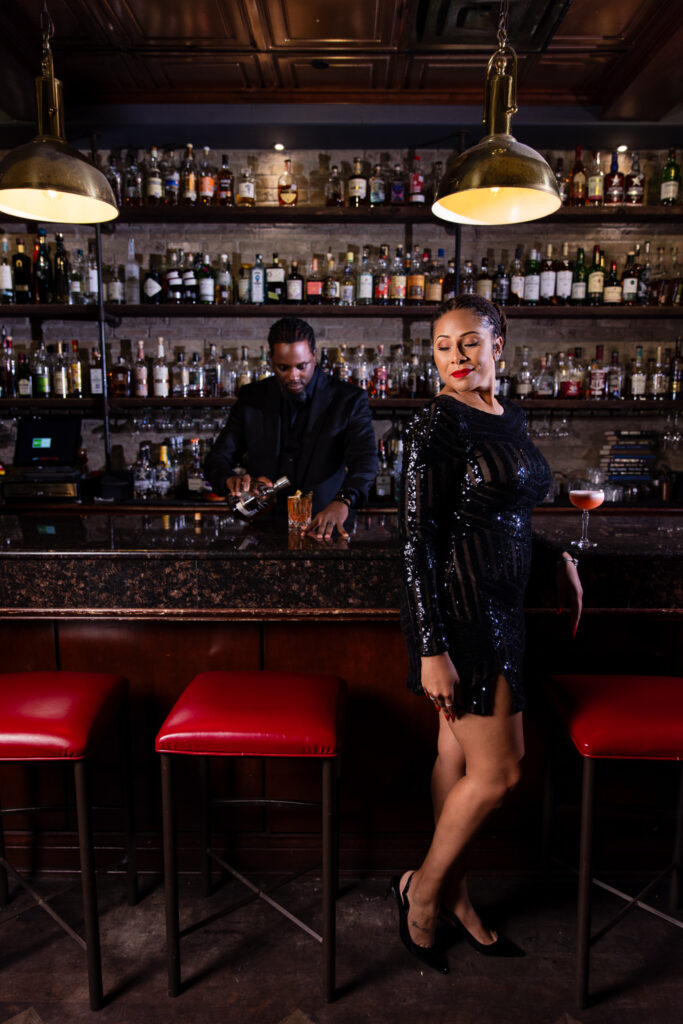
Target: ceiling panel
x=329, y=23
x=200, y=23
x=341, y=73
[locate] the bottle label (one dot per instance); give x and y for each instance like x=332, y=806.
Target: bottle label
x=548, y=280
x=75, y=287
x=629, y=287
x=294, y=289
x=246, y=190
x=24, y=389
x=611, y=296
x=151, y=288
x=398, y=192
x=172, y=183
x=314, y=288
x=365, y=287
x=225, y=188
x=615, y=192
x=596, y=282
x=523, y=388
x=397, y=286
x=563, y=284
x=190, y=186
x=92, y=281
x=61, y=383
x=578, y=291
x=348, y=294
x=517, y=285
x=42, y=382
x=434, y=291
x=598, y=381
x=160, y=381
x=484, y=287
x=416, y=188
x=96, y=381
x=141, y=385
x=668, y=193
x=358, y=188
x=115, y=291
x=532, y=287
x=154, y=188
x=332, y=289
x=636, y=188
x=257, y=286
x=206, y=289
x=570, y=387
x=377, y=191
x=415, y=285
x=207, y=186
x=638, y=382
x=288, y=194
x=596, y=187
x=5, y=277
x=382, y=288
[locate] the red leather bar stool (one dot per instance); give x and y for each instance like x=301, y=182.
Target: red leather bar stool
x=627, y=718
x=56, y=718
x=254, y=714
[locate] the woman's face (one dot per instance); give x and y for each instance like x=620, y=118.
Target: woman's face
x=465, y=352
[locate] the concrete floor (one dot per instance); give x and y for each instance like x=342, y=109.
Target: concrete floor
x=254, y=966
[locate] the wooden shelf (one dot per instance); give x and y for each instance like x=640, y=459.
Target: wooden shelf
x=49, y=311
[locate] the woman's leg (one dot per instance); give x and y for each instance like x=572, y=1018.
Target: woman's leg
x=492, y=746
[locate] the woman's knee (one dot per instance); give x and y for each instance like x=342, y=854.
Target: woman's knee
x=497, y=785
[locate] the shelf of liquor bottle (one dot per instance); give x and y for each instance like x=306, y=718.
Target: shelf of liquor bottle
x=23, y=405
x=405, y=214
x=49, y=311
x=421, y=312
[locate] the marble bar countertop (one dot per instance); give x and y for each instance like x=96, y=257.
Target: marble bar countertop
x=208, y=564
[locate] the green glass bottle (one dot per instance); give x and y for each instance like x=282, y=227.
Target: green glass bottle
x=596, y=279
x=670, y=180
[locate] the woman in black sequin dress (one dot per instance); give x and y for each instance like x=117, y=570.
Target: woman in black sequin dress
x=471, y=480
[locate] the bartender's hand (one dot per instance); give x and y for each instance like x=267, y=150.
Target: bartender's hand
x=569, y=590
x=236, y=485
x=336, y=514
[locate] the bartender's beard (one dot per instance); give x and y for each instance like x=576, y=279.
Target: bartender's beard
x=297, y=397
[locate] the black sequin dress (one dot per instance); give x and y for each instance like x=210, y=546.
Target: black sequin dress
x=470, y=482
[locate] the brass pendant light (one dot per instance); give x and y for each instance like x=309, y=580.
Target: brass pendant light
x=500, y=180
x=48, y=180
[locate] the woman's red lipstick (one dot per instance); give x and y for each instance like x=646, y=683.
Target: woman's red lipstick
x=462, y=373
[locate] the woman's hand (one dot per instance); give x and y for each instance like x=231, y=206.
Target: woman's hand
x=569, y=590
x=439, y=680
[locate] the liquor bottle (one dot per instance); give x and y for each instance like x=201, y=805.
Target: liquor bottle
x=324, y=363
x=544, y=384
x=91, y=278
x=246, y=188
x=659, y=281
x=523, y=378
x=435, y=279
x=614, y=381
x=171, y=179
x=380, y=373
x=415, y=280
x=226, y=184
x=532, y=279
x=674, y=295
x=173, y=282
x=314, y=284
x=517, y=279
x=132, y=290
x=42, y=379
x=275, y=281
x=140, y=373
x=577, y=181
x=635, y=183
x=154, y=186
x=364, y=280
x=95, y=373
x=340, y=367
x=612, y=293
x=378, y=187
x=562, y=180
x=332, y=282
x=287, y=190
x=60, y=373
x=658, y=380
x=357, y=185
x=152, y=286
x=213, y=373
x=247, y=506
x=195, y=377
x=484, y=283
x=347, y=294
x=629, y=281
x=503, y=383
x=163, y=474
x=118, y=378
x=42, y=270
x=6, y=289
x=596, y=280
x=436, y=179
x=676, y=371
x=206, y=190
x=114, y=286
x=548, y=278
x=264, y=369
x=206, y=281
x=132, y=181
x=113, y=176
x=257, y=282
x=223, y=290
x=60, y=277
x=416, y=184
x=595, y=186
x=143, y=474
x=597, y=375
x=383, y=479
x=21, y=265
x=188, y=178
x=160, y=372
x=7, y=368
x=382, y=277
x=180, y=377
x=24, y=378
x=397, y=280
x=244, y=371
x=638, y=379
x=397, y=195
x=614, y=184
x=572, y=383
x=294, y=285
x=334, y=188
x=670, y=180
x=564, y=274
x=468, y=281
x=501, y=286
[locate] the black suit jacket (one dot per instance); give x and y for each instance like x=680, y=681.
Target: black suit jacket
x=338, y=447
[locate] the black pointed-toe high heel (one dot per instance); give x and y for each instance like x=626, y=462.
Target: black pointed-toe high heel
x=428, y=955
x=501, y=947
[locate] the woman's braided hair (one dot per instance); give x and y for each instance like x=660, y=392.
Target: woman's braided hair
x=490, y=313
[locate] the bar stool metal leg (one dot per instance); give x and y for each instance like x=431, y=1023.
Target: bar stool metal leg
x=4, y=888
x=329, y=879
x=205, y=825
x=585, y=882
x=677, y=873
x=88, y=885
x=170, y=876
x=127, y=792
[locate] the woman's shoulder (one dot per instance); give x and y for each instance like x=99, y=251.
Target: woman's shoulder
x=437, y=427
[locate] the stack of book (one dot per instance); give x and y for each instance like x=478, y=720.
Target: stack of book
x=629, y=455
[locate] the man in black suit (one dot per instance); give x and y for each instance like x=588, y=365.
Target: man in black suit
x=303, y=424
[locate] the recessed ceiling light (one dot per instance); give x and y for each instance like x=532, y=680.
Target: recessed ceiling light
x=622, y=149
x=279, y=146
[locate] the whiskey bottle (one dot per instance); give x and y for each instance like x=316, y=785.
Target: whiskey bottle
x=140, y=373
x=564, y=274
x=114, y=289
x=357, y=185
x=577, y=181
x=160, y=372
x=595, y=186
x=629, y=281
x=415, y=280
x=638, y=378
x=207, y=180
x=154, y=186
x=223, y=290
x=614, y=184
x=188, y=178
x=246, y=188
x=294, y=285
x=118, y=378
x=332, y=282
x=634, y=184
x=244, y=371
x=596, y=280
x=180, y=377
x=287, y=191
x=670, y=180
x=612, y=292
x=397, y=280
x=226, y=184
x=314, y=284
x=484, y=283
x=378, y=187
x=334, y=188
x=21, y=265
x=434, y=282
x=248, y=505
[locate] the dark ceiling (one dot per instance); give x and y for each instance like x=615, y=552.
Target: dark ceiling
x=340, y=73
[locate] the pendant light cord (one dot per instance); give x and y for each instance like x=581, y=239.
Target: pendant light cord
x=47, y=26
x=502, y=33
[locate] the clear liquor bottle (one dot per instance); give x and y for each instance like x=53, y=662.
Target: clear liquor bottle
x=195, y=377
x=188, y=178
x=658, y=380
x=244, y=372
x=364, y=280
x=614, y=382
x=597, y=375
x=380, y=373
x=287, y=189
x=398, y=279
x=160, y=372
x=143, y=474
x=523, y=378
x=257, y=281
x=180, y=377
x=347, y=294
x=223, y=293
x=544, y=384
x=213, y=373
